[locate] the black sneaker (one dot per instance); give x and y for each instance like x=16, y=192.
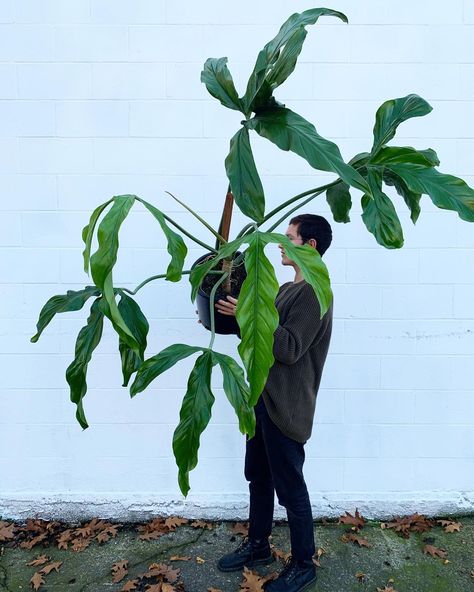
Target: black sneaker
x=296, y=576
x=250, y=552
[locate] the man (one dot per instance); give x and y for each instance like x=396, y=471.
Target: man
x=275, y=455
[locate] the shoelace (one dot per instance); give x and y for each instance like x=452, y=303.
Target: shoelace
x=244, y=546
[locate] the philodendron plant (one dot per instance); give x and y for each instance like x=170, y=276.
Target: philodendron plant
x=411, y=172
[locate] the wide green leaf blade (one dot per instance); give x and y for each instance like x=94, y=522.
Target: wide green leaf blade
x=72, y=300
x=273, y=58
x=88, y=233
x=290, y=131
x=193, y=418
x=401, y=154
x=257, y=315
x=339, y=200
x=237, y=392
x=76, y=374
x=137, y=322
x=446, y=191
x=392, y=113
x=243, y=177
x=379, y=214
x=176, y=246
x=219, y=83
x=312, y=267
x=199, y=272
x=158, y=364
x=411, y=198
x=103, y=260
x=115, y=317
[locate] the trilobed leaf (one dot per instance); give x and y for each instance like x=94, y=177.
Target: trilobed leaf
x=87, y=340
x=193, y=418
x=237, y=392
x=379, y=214
x=160, y=363
x=219, y=83
x=394, y=112
x=72, y=300
x=243, y=177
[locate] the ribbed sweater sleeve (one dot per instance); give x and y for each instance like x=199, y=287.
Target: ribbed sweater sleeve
x=293, y=338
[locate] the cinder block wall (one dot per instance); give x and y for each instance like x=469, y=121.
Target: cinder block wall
x=101, y=97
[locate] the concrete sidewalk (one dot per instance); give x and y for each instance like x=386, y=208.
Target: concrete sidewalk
x=392, y=561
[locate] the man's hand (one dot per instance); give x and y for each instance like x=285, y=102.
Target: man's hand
x=227, y=307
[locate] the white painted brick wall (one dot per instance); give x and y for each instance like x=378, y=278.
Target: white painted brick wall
x=102, y=97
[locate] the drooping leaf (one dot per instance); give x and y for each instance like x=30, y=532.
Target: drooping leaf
x=290, y=131
x=193, y=418
x=394, y=112
x=71, y=301
x=257, y=315
x=137, y=322
x=158, y=364
x=113, y=313
x=243, y=177
x=87, y=340
x=88, y=233
x=379, y=214
x=272, y=58
x=402, y=154
x=219, y=83
x=237, y=392
x=339, y=200
x=446, y=191
x=176, y=246
x=411, y=198
x=103, y=260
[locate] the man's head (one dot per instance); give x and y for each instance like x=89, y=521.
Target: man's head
x=308, y=229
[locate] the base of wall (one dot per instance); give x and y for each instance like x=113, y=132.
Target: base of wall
x=137, y=507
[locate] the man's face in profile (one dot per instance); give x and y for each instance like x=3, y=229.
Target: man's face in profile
x=293, y=235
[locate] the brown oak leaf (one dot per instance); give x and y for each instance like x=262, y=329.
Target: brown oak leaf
x=6, y=531
x=252, y=581
x=434, y=551
x=354, y=538
x=200, y=560
x=241, y=528
x=201, y=524
x=360, y=575
x=49, y=568
x=37, y=581
x=279, y=554
x=450, y=525
x=178, y=558
x=174, y=521
x=40, y=560
x=165, y=587
x=155, y=587
x=357, y=521
x=129, y=585
x=119, y=570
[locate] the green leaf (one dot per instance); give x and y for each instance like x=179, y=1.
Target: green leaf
x=62, y=303
x=88, y=233
x=401, y=154
x=237, y=392
x=446, y=191
x=76, y=374
x=243, y=177
x=379, y=214
x=103, y=260
x=176, y=246
x=113, y=313
x=257, y=315
x=290, y=131
x=137, y=322
x=158, y=364
x=219, y=83
x=275, y=61
x=199, y=272
x=193, y=418
x=411, y=198
x=339, y=200
x=392, y=113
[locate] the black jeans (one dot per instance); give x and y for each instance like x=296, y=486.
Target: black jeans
x=274, y=462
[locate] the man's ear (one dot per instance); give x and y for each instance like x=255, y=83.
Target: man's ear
x=313, y=242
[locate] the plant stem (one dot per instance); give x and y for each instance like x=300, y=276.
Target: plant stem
x=211, y=306
x=156, y=277
x=196, y=240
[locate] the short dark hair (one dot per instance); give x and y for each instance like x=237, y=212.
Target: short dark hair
x=314, y=226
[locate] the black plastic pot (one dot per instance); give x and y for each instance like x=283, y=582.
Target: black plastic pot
x=223, y=324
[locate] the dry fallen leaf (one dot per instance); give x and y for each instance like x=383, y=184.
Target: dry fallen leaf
x=49, y=568
x=119, y=571
x=178, y=558
x=354, y=538
x=174, y=521
x=202, y=524
x=129, y=586
x=450, y=525
x=360, y=576
x=357, y=521
x=37, y=581
x=279, y=554
x=214, y=590
x=40, y=560
x=200, y=560
x=6, y=531
x=241, y=528
x=434, y=551
x=386, y=589
x=253, y=582
x=165, y=587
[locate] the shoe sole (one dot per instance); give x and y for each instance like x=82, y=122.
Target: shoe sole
x=247, y=564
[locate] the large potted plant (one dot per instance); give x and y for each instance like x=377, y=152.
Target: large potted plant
x=240, y=266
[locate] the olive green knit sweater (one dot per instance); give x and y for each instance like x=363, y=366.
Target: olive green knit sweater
x=301, y=343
